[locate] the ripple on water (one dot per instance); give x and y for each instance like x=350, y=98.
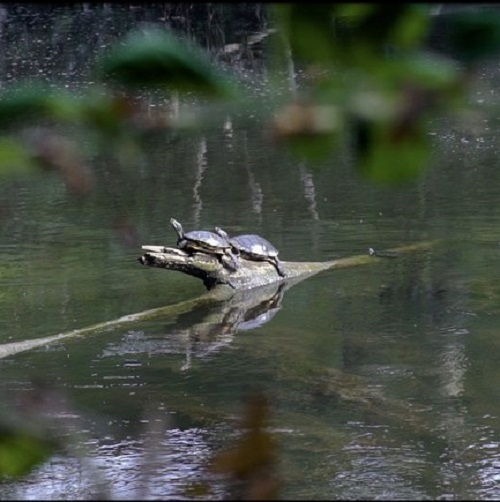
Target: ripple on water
x=121, y=470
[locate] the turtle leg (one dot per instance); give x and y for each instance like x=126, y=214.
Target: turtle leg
x=230, y=261
x=235, y=259
x=229, y=283
x=279, y=267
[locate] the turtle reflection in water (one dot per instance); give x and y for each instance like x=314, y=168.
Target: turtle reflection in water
x=253, y=247
x=206, y=242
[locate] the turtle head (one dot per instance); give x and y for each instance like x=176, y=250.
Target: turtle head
x=177, y=227
x=221, y=232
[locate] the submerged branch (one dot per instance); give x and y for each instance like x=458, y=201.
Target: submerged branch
x=212, y=297
x=240, y=305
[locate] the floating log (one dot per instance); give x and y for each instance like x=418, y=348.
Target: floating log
x=251, y=274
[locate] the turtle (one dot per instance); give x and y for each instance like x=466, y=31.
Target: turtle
x=206, y=242
x=382, y=254
x=253, y=247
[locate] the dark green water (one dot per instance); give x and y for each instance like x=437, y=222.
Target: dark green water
x=382, y=378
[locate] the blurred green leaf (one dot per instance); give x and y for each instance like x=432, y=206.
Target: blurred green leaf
x=354, y=10
x=309, y=130
x=367, y=37
x=25, y=442
x=158, y=59
x=36, y=103
x=20, y=452
x=429, y=70
x=351, y=34
x=388, y=155
x=374, y=26
x=64, y=107
x=313, y=148
x=27, y=103
x=14, y=157
x=410, y=27
x=475, y=35
x=105, y=113
x=308, y=28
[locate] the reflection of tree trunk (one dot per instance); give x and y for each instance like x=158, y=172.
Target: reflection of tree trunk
x=255, y=188
x=453, y=368
x=459, y=435
x=3, y=18
x=201, y=165
x=290, y=67
x=292, y=84
x=257, y=197
x=175, y=105
x=228, y=132
x=309, y=191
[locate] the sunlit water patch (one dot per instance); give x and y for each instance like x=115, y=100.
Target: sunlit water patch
x=122, y=469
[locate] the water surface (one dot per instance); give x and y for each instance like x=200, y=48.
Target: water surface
x=382, y=378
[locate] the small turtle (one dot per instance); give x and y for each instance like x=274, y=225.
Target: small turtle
x=206, y=242
x=253, y=247
x=382, y=254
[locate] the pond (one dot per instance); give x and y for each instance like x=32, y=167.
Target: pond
x=380, y=378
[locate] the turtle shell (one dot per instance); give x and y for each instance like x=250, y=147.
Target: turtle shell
x=203, y=239
x=254, y=245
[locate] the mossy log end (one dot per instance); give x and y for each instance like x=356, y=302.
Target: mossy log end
x=250, y=274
